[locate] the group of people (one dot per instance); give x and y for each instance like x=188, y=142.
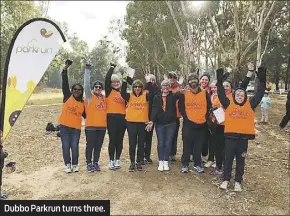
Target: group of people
x=218, y=120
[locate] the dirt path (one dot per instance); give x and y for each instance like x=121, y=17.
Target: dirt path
x=40, y=175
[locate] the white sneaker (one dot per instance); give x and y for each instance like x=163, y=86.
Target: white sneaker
x=213, y=165
x=117, y=164
x=224, y=185
x=111, y=165
x=75, y=168
x=165, y=166
x=204, y=159
x=160, y=167
x=67, y=168
x=208, y=164
x=238, y=187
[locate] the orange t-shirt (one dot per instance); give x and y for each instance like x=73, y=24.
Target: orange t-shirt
x=96, y=112
x=115, y=103
x=71, y=114
x=178, y=114
x=196, y=106
x=137, y=109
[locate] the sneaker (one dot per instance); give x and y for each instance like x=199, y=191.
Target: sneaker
x=224, y=185
x=68, y=168
x=132, y=167
x=217, y=171
x=204, y=159
x=208, y=164
x=143, y=162
x=97, y=167
x=139, y=166
x=184, y=169
x=238, y=187
x=149, y=161
x=165, y=166
x=75, y=168
x=111, y=165
x=117, y=164
x=160, y=167
x=173, y=158
x=199, y=169
x=213, y=165
x=90, y=167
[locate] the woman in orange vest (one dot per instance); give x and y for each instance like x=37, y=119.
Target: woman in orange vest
x=96, y=120
x=70, y=121
x=137, y=117
x=239, y=125
x=218, y=137
x=194, y=106
x=116, y=110
x=174, y=87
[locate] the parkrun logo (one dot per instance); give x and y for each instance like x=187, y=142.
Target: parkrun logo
x=237, y=114
x=137, y=105
x=101, y=106
x=73, y=110
x=194, y=105
x=33, y=48
x=118, y=99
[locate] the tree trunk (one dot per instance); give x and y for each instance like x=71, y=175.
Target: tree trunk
x=288, y=67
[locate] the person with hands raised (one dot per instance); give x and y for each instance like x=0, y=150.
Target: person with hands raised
x=96, y=120
x=239, y=125
x=136, y=117
x=70, y=120
x=164, y=116
x=116, y=123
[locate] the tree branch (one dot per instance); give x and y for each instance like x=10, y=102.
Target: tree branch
x=248, y=15
x=267, y=42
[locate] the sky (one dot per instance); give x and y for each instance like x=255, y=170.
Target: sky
x=89, y=19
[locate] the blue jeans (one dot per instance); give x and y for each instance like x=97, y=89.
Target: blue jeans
x=70, y=138
x=165, y=134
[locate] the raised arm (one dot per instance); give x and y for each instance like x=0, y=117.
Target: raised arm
x=246, y=81
x=65, y=85
x=124, y=94
x=108, y=81
x=256, y=99
x=87, y=86
x=220, y=89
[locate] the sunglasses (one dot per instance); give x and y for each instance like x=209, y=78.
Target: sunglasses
x=137, y=86
x=77, y=89
x=98, y=87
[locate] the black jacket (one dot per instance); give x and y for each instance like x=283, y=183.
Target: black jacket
x=158, y=115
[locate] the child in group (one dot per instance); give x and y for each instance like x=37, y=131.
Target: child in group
x=265, y=104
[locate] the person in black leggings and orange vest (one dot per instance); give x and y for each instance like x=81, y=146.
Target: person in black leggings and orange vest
x=70, y=121
x=116, y=110
x=96, y=120
x=137, y=116
x=218, y=137
x=239, y=125
x=194, y=106
x=174, y=87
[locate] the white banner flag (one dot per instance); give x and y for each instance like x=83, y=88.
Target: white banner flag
x=31, y=51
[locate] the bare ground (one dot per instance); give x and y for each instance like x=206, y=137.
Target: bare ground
x=39, y=173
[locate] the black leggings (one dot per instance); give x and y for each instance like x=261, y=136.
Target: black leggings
x=219, y=145
x=136, y=133
x=148, y=144
x=116, y=125
x=95, y=139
